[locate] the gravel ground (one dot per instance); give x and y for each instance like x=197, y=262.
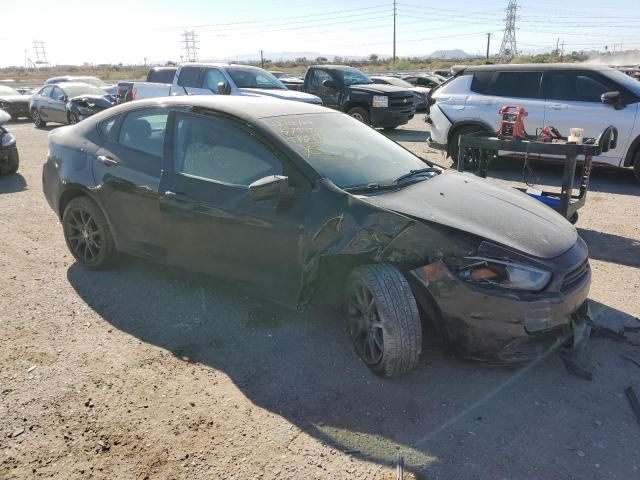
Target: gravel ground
x=150, y=372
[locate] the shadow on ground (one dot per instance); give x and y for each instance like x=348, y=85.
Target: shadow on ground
x=406, y=135
x=612, y=248
x=12, y=183
x=450, y=419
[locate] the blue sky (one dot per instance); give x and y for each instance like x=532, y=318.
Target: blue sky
x=128, y=31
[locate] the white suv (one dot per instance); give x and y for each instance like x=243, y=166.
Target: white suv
x=561, y=95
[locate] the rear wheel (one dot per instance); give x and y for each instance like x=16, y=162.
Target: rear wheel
x=360, y=114
x=37, y=120
x=383, y=319
x=12, y=163
x=87, y=234
x=452, y=148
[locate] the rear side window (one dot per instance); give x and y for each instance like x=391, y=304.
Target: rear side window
x=481, y=81
x=143, y=130
x=46, y=91
x=189, y=77
x=515, y=84
x=575, y=86
x=164, y=75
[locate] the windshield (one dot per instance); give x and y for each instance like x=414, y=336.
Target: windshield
x=345, y=150
x=255, y=78
x=83, y=90
x=4, y=90
x=623, y=79
x=398, y=82
x=353, y=76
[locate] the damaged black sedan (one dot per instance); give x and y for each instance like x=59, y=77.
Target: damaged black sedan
x=301, y=203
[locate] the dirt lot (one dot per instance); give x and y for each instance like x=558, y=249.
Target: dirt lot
x=149, y=372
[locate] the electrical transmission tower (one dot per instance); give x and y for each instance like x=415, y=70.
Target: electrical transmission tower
x=41, y=53
x=190, y=46
x=508, y=48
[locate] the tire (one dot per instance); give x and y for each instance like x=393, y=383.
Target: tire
x=636, y=166
x=87, y=234
x=360, y=114
x=72, y=118
x=12, y=164
x=452, y=148
x=383, y=320
x=37, y=120
x=389, y=129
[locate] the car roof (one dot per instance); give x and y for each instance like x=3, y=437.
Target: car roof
x=225, y=65
x=64, y=85
x=334, y=67
x=536, y=67
x=239, y=106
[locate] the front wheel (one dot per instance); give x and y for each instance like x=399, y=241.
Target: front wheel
x=383, y=319
x=87, y=234
x=360, y=114
x=11, y=166
x=37, y=119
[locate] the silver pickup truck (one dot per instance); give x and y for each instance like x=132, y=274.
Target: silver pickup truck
x=215, y=78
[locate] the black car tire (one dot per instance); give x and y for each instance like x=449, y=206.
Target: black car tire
x=636, y=165
x=37, y=120
x=452, y=147
x=11, y=165
x=360, y=114
x=72, y=117
x=383, y=319
x=87, y=234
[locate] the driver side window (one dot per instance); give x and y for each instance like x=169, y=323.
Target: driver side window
x=319, y=76
x=212, y=77
x=220, y=150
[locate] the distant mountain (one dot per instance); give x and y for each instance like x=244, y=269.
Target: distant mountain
x=282, y=56
x=453, y=54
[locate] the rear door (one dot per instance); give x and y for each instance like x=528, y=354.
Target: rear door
x=57, y=110
x=189, y=81
x=491, y=90
x=43, y=101
x=573, y=101
x=127, y=172
x=212, y=224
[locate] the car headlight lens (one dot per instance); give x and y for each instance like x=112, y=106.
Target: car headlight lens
x=488, y=271
x=381, y=101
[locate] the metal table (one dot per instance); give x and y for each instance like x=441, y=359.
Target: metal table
x=483, y=147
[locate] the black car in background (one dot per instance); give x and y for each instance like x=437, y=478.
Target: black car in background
x=14, y=103
x=291, y=82
x=419, y=93
x=297, y=202
x=68, y=103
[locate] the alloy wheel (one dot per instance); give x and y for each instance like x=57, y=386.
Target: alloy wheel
x=36, y=118
x=365, y=327
x=358, y=117
x=84, y=235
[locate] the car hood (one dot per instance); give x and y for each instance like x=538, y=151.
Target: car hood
x=283, y=94
x=98, y=100
x=15, y=98
x=377, y=88
x=422, y=90
x=483, y=208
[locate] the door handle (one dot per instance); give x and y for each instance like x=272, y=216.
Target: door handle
x=558, y=106
x=108, y=161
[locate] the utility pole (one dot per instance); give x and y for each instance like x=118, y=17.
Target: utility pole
x=190, y=45
x=262, y=58
x=41, y=53
x=508, y=48
x=488, y=43
x=394, y=30
x=557, y=48
x=562, y=53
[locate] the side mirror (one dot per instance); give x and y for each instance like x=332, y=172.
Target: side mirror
x=612, y=98
x=329, y=84
x=273, y=186
x=224, y=88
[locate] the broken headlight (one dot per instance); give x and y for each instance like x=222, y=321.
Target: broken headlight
x=488, y=271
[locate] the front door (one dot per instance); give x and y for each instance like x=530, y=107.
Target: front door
x=58, y=106
x=127, y=172
x=573, y=100
x=213, y=224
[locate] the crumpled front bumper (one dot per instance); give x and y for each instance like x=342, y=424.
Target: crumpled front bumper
x=500, y=326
